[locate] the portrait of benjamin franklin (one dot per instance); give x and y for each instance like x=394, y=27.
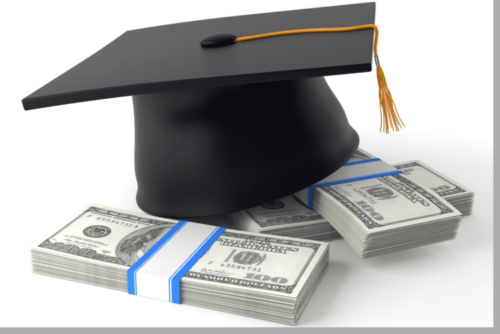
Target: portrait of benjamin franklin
x=136, y=244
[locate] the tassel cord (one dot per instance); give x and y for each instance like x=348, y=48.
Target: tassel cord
x=389, y=115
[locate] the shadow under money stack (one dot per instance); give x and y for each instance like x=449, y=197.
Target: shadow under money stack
x=249, y=274
x=451, y=191
x=285, y=217
x=386, y=214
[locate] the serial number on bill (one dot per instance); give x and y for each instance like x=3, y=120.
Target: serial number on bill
x=239, y=266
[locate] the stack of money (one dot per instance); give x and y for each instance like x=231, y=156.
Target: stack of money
x=386, y=214
x=454, y=193
x=290, y=217
x=285, y=217
x=250, y=274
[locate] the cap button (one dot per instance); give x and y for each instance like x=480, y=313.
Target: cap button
x=216, y=40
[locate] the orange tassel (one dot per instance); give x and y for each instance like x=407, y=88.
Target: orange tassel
x=389, y=116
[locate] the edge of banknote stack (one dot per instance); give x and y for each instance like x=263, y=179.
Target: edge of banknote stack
x=387, y=214
x=369, y=205
x=254, y=275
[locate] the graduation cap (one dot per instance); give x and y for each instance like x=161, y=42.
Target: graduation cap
x=231, y=112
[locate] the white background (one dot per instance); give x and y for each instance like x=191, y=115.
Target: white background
x=438, y=59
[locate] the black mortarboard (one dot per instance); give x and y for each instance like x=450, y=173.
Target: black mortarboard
x=221, y=129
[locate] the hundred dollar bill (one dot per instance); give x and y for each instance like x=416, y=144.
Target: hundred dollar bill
x=386, y=214
x=105, y=235
x=101, y=239
x=285, y=211
x=387, y=200
x=285, y=217
x=255, y=261
x=450, y=190
x=439, y=183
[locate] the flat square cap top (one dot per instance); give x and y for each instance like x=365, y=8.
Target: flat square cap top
x=170, y=57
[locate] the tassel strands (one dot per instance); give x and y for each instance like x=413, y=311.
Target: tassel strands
x=389, y=116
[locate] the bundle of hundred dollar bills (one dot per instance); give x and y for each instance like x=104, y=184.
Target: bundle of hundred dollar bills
x=386, y=214
x=375, y=216
x=250, y=274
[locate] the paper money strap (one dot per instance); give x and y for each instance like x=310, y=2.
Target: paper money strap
x=350, y=172
x=157, y=274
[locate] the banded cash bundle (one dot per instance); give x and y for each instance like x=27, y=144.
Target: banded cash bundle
x=285, y=217
x=290, y=217
x=386, y=214
x=451, y=191
x=250, y=274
